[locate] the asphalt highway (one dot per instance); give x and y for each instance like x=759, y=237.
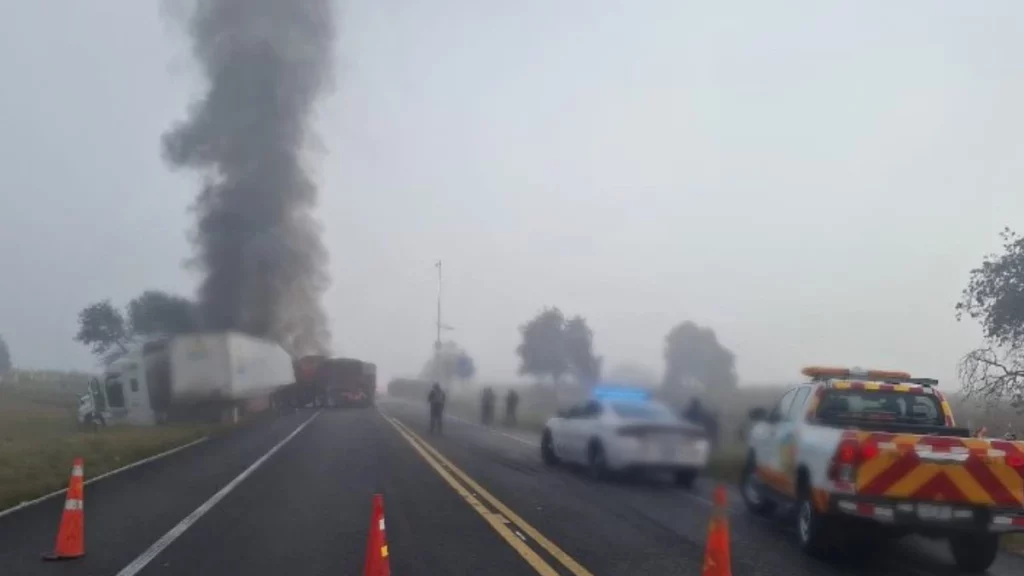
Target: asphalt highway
x=292, y=495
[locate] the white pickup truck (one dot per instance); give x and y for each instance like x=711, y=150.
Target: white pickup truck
x=877, y=453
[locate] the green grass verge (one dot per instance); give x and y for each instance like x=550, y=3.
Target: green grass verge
x=39, y=438
x=1014, y=543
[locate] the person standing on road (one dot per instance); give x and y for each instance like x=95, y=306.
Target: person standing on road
x=436, y=398
x=487, y=406
x=511, y=403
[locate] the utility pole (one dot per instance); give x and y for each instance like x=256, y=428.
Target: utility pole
x=437, y=341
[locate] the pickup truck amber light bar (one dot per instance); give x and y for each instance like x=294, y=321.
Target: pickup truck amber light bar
x=827, y=373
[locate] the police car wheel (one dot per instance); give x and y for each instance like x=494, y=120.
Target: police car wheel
x=685, y=478
x=547, y=449
x=974, y=553
x=597, y=462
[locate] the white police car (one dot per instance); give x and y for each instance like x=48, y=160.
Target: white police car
x=619, y=430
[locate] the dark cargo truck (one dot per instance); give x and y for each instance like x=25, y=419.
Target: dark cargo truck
x=305, y=390
x=348, y=382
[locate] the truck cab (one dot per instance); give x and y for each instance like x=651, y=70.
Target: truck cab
x=876, y=452
x=123, y=393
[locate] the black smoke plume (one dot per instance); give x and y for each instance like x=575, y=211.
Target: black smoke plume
x=266, y=63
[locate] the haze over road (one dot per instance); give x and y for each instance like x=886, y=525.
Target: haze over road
x=305, y=510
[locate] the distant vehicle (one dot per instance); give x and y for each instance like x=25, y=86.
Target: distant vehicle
x=625, y=430
x=348, y=382
x=409, y=388
x=195, y=377
x=876, y=453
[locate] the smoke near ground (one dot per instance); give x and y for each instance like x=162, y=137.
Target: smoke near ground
x=265, y=266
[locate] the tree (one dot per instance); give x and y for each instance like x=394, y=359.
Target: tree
x=102, y=327
x=694, y=355
x=553, y=346
x=153, y=314
x=451, y=362
x=542, y=351
x=158, y=314
x=5, y=357
x=579, y=350
x=994, y=297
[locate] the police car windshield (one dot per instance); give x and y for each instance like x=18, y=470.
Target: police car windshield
x=877, y=405
x=643, y=411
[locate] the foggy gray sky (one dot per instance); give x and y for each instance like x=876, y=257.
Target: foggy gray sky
x=813, y=180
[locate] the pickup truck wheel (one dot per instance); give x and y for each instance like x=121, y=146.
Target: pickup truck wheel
x=753, y=491
x=547, y=449
x=974, y=553
x=813, y=529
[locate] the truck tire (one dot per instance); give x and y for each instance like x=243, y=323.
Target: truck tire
x=974, y=553
x=814, y=530
x=93, y=423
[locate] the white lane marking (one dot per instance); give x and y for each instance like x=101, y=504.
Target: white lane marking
x=529, y=443
x=17, y=507
x=146, y=557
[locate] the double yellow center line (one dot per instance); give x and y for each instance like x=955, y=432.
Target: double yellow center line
x=505, y=522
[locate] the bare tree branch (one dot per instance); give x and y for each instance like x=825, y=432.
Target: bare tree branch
x=994, y=374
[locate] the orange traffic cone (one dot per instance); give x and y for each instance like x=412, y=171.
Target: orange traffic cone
x=377, y=563
x=717, y=557
x=71, y=534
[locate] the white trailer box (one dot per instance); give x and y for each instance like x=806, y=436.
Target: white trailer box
x=195, y=376
x=226, y=366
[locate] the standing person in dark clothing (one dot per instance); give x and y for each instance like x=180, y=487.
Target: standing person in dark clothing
x=436, y=398
x=487, y=406
x=511, y=403
x=694, y=412
x=697, y=414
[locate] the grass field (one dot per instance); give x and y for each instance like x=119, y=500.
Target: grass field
x=39, y=438
x=1014, y=543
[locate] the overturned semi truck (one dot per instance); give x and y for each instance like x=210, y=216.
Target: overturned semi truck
x=193, y=377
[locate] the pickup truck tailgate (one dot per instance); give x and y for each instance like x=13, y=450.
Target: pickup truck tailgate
x=940, y=468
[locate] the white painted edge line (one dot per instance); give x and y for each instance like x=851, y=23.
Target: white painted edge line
x=28, y=503
x=519, y=439
x=146, y=557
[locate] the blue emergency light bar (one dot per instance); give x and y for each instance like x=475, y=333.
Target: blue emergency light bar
x=612, y=392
